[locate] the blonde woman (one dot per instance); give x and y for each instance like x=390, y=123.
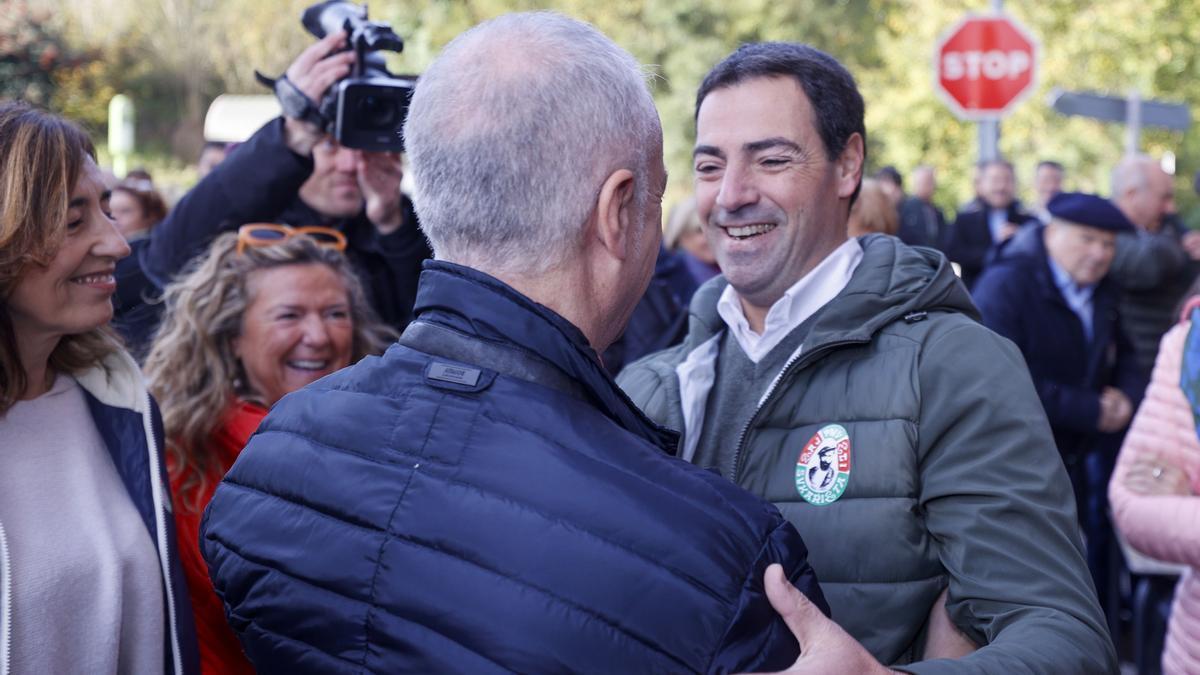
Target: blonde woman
x=89, y=576
x=267, y=311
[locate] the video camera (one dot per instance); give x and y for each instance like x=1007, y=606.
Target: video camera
x=366, y=110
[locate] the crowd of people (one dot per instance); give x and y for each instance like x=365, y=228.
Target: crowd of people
x=303, y=422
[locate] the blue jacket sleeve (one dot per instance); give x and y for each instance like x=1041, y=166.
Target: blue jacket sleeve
x=757, y=638
x=257, y=181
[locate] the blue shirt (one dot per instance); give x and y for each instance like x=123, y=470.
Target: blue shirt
x=1079, y=298
x=996, y=220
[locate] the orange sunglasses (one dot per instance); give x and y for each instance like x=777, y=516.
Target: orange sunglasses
x=271, y=234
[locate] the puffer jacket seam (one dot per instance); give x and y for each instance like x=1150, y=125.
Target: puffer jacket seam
x=575, y=527
x=499, y=419
x=337, y=518
x=414, y=623
x=291, y=640
x=314, y=648
x=340, y=520
x=720, y=644
x=409, y=541
x=267, y=565
x=408, y=455
x=388, y=538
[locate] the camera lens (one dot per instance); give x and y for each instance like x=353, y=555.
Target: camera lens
x=377, y=112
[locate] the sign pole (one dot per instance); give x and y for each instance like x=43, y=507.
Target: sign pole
x=989, y=139
x=989, y=129
x=1133, y=122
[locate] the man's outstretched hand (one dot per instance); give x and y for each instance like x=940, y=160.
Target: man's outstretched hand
x=824, y=646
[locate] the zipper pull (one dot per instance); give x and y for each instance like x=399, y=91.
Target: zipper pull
x=914, y=317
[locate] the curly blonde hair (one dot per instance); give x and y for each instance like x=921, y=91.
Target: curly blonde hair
x=41, y=158
x=192, y=369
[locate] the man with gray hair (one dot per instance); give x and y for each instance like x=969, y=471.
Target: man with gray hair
x=1154, y=265
x=483, y=498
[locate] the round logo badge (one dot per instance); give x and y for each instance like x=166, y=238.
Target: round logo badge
x=823, y=468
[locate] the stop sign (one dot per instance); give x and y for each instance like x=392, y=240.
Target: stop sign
x=985, y=65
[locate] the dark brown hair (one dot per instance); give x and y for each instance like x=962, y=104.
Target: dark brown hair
x=153, y=206
x=41, y=158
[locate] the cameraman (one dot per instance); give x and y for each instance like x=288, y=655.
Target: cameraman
x=290, y=171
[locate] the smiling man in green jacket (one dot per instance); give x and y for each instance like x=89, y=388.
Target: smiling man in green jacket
x=848, y=381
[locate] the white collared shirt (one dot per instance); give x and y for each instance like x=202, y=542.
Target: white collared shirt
x=799, y=302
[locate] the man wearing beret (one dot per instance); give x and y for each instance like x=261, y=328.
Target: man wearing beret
x=1048, y=292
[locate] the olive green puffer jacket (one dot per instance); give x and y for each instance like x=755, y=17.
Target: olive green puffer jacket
x=952, y=477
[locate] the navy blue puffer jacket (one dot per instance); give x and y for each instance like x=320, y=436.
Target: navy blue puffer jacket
x=506, y=511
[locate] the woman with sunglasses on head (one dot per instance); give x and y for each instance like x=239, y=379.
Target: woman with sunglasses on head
x=90, y=579
x=267, y=311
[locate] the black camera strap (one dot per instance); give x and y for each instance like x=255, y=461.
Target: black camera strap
x=293, y=101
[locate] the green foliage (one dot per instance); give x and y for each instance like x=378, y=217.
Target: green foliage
x=34, y=57
x=1108, y=48
x=174, y=56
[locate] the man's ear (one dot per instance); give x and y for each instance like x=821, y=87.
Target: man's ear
x=614, y=213
x=850, y=165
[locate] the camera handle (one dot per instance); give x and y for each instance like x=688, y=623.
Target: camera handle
x=293, y=101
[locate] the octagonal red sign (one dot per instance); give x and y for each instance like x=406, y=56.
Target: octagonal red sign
x=985, y=65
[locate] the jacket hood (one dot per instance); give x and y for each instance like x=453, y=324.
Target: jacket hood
x=893, y=281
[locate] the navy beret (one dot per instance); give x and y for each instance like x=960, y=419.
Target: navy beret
x=1088, y=210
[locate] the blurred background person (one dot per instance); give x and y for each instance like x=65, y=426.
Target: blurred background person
x=1048, y=291
x=212, y=154
x=921, y=221
x=1156, y=263
x=291, y=171
x=993, y=217
x=873, y=210
x=255, y=320
x=136, y=207
x=1154, y=488
x=892, y=184
x=87, y=544
x=1047, y=182
x=684, y=235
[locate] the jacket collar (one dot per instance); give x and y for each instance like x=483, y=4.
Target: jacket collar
x=892, y=281
x=482, y=306
x=116, y=382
